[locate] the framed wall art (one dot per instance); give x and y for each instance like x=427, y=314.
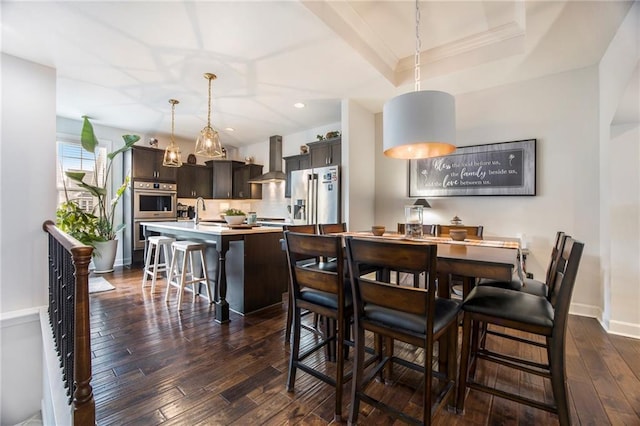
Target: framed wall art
x=506, y=168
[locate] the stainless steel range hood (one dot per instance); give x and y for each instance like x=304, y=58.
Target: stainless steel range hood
x=275, y=173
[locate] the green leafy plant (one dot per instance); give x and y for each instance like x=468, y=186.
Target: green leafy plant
x=98, y=225
x=234, y=212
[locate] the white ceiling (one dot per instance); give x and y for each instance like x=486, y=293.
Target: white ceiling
x=120, y=62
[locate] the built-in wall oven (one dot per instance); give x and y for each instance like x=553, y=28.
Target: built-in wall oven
x=153, y=200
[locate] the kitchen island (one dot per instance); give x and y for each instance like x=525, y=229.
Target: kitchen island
x=248, y=267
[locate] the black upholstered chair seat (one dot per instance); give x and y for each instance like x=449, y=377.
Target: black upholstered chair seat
x=510, y=305
x=323, y=298
x=446, y=310
x=531, y=286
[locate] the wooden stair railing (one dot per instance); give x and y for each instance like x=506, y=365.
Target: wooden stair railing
x=69, y=317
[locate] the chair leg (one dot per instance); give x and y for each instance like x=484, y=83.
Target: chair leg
x=205, y=275
x=170, y=275
x=295, y=349
x=147, y=264
x=464, y=362
x=427, y=385
x=156, y=260
x=287, y=331
x=339, y=348
x=183, y=279
x=559, y=380
x=358, y=368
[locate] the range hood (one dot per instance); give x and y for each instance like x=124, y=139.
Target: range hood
x=275, y=173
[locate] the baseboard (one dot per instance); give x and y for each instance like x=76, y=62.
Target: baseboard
x=586, y=311
x=54, y=407
x=620, y=328
x=625, y=329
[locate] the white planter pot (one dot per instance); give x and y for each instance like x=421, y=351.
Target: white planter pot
x=104, y=256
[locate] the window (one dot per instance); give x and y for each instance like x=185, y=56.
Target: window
x=72, y=157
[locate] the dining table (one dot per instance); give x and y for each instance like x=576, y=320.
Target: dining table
x=487, y=257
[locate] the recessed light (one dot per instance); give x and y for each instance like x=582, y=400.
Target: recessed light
x=299, y=105
x=230, y=129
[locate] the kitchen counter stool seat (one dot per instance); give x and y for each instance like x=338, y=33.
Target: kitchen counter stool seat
x=183, y=274
x=154, y=244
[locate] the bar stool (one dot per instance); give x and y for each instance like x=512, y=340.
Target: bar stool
x=154, y=245
x=178, y=273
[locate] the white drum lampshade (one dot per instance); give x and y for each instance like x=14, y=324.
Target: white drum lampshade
x=420, y=124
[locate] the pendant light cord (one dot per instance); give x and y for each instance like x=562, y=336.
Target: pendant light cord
x=416, y=59
x=209, y=112
x=173, y=119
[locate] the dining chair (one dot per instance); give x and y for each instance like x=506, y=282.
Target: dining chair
x=332, y=228
x=305, y=229
x=472, y=231
x=517, y=310
x=411, y=315
x=426, y=229
x=321, y=291
x=530, y=285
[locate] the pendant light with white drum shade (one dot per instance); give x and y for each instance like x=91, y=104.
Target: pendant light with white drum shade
x=420, y=124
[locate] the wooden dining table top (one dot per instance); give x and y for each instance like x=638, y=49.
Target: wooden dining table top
x=468, y=259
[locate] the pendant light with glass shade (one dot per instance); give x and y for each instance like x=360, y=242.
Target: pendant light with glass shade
x=419, y=124
x=208, y=143
x=172, y=153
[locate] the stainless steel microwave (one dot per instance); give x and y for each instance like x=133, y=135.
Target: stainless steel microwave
x=152, y=200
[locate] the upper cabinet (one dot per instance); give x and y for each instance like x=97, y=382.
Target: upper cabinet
x=295, y=162
x=195, y=181
x=147, y=165
x=242, y=189
x=223, y=177
x=326, y=152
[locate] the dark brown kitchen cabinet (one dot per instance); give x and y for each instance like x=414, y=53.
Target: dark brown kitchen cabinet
x=325, y=153
x=242, y=189
x=147, y=165
x=195, y=181
x=295, y=162
x=222, y=172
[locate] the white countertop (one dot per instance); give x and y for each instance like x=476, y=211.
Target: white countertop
x=211, y=228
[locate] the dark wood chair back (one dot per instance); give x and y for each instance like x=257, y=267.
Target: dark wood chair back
x=556, y=253
x=472, y=231
x=306, y=229
x=362, y=254
x=301, y=246
x=426, y=229
x=332, y=228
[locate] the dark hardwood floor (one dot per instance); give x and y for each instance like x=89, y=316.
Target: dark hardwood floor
x=153, y=365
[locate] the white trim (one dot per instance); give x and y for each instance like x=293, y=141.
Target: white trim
x=626, y=329
x=13, y=318
x=54, y=405
x=586, y=311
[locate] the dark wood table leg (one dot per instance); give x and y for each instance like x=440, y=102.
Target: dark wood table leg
x=222, y=306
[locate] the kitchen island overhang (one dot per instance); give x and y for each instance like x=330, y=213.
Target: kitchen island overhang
x=246, y=266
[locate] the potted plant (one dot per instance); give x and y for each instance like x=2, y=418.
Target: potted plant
x=96, y=228
x=234, y=216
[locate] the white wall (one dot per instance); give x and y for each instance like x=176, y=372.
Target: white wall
x=27, y=199
x=619, y=163
x=561, y=112
x=358, y=166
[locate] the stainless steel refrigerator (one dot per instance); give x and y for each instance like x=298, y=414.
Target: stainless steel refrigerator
x=315, y=196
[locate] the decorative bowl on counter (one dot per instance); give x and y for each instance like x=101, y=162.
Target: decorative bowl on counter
x=234, y=220
x=458, y=234
x=377, y=230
